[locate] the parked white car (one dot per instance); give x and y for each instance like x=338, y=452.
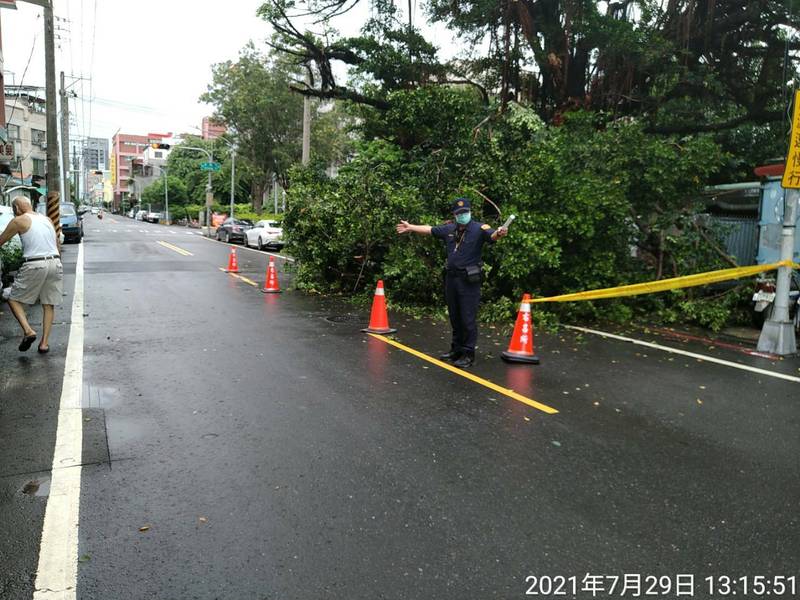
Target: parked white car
x=265, y=234
x=6, y=215
x=140, y=215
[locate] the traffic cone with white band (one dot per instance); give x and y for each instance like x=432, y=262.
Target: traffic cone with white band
x=271, y=285
x=379, y=318
x=233, y=262
x=520, y=350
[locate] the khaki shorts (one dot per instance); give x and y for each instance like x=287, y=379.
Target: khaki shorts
x=39, y=281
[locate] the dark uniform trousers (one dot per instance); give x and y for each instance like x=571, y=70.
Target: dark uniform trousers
x=462, y=299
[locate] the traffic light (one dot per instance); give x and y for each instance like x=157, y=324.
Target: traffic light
x=159, y=146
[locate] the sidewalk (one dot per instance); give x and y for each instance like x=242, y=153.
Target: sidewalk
x=30, y=392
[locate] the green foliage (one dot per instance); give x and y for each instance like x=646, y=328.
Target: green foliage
x=252, y=97
x=598, y=204
x=11, y=257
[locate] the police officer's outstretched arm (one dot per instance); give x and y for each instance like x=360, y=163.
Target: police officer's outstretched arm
x=406, y=227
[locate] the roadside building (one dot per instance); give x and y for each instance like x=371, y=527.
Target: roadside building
x=212, y=129
x=127, y=153
x=27, y=132
x=95, y=154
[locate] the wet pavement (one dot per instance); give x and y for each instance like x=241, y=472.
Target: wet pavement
x=243, y=445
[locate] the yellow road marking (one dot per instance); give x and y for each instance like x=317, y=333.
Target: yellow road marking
x=175, y=248
x=485, y=383
x=240, y=277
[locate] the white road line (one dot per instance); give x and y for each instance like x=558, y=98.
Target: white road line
x=286, y=258
x=56, y=576
x=704, y=357
x=173, y=232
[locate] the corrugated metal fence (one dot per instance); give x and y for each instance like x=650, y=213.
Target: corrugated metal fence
x=741, y=238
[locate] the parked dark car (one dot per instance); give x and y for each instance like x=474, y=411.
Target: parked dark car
x=71, y=223
x=232, y=230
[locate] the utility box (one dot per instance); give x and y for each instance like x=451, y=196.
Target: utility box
x=770, y=223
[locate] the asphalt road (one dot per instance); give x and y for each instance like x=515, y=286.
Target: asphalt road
x=241, y=445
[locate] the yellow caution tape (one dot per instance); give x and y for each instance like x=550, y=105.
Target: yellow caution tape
x=663, y=285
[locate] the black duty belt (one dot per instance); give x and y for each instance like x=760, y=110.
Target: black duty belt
x=35, y=258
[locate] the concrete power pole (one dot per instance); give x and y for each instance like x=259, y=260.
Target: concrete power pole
x=307, y=123
x=65, y=140
x=777, y=335
x=53, y=183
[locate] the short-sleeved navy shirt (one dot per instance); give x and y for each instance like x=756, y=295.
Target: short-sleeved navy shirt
x=463, y=248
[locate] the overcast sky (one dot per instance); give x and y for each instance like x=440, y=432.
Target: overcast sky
x=148, y=61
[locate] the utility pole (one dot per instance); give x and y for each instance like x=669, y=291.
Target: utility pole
x=307, y=121
x=65, y=140
x=777, y=335
x=53, y=184
x=76, y=170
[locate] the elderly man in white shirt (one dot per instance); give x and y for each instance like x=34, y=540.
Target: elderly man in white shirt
x=40, y=279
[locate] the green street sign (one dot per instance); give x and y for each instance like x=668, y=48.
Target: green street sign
x=210, y=166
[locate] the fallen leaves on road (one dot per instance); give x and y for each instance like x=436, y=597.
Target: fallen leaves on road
x=144, y=528
x=203, y=519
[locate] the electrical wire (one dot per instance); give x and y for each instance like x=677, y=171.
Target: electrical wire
x=22, y=80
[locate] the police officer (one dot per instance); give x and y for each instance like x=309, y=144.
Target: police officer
x=464, y=241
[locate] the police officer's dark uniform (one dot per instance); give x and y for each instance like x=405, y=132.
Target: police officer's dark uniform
x=463, y=280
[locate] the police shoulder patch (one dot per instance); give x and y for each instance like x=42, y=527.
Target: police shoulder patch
x=485, y=227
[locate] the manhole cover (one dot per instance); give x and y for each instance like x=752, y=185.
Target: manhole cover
x=348, y=318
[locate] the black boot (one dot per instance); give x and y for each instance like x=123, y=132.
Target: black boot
x=452, y=355
x=466, y=360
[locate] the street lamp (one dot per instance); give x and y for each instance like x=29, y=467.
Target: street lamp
x=232, y=147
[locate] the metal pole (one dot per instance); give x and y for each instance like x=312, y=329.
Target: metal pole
x=233, y=175
x=53, y=183
x=275, y=193
x=209, y=198
x=777, y=335
x=166, y=196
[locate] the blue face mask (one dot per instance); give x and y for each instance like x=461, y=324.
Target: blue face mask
x=463, y=218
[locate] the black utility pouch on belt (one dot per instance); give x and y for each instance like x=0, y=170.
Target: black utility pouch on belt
x=473, y=273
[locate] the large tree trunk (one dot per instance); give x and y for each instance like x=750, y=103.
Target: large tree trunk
x=257, y=191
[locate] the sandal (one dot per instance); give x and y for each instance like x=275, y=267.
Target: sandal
x=26, y=342
x=43, y=350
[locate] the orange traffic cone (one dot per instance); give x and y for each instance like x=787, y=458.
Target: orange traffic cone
x=271, y=285
x=520, y=349
x=233, y=262
x=379, y=319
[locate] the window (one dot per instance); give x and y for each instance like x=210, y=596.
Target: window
x=159, y=155
x=38, y=167
x=38, y=137
x=13, y=132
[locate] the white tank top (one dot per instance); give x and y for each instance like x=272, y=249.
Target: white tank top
x=40, y=239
